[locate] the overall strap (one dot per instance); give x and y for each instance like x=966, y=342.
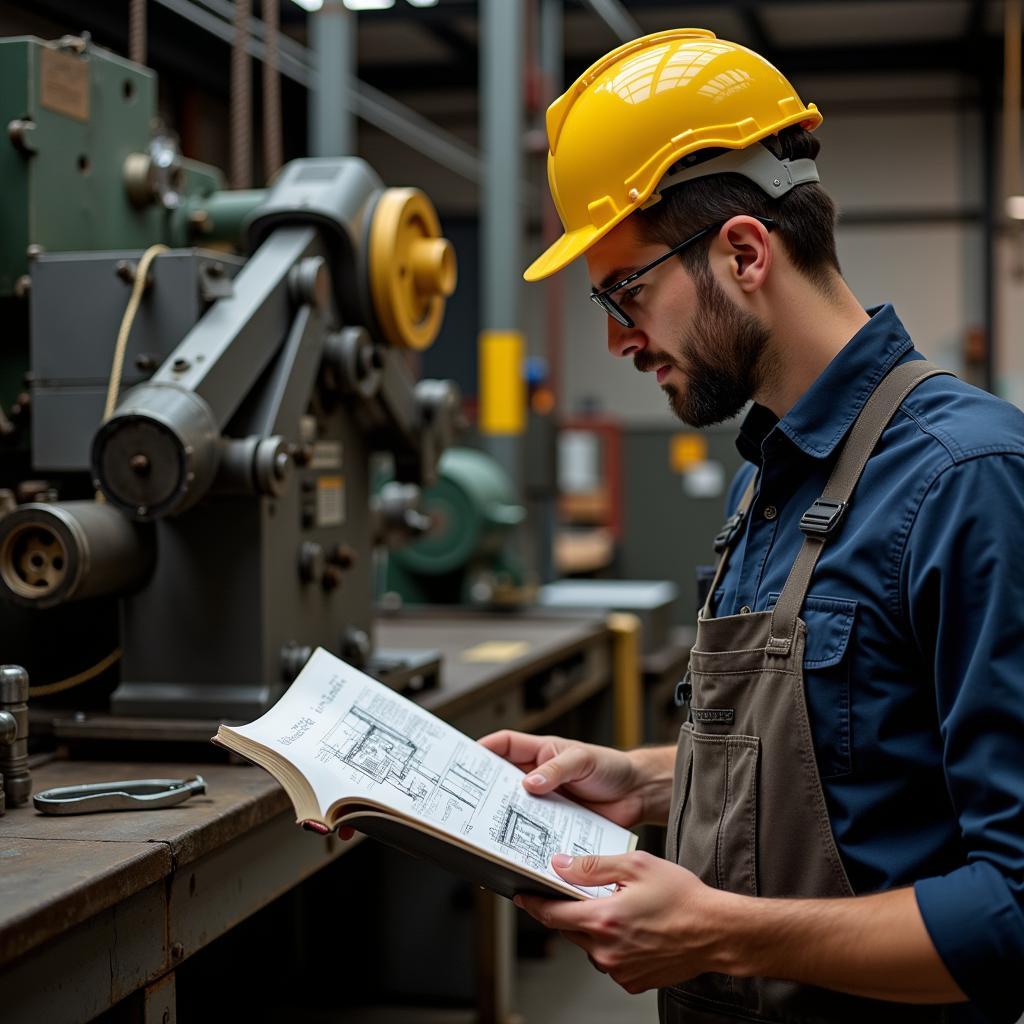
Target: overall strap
x=725, y=541
x=821, y=519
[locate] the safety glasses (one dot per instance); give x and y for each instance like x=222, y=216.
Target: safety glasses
x=604, y=297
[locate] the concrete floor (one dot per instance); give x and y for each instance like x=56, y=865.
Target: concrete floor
x=563, y=988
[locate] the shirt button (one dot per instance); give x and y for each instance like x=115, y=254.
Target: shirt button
x=770, y=512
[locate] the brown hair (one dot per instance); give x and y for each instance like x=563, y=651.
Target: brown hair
x=805, y=216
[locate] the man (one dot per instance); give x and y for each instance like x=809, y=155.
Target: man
x=845, y=808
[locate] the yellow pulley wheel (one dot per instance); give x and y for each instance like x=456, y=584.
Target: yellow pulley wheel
x=412, y=268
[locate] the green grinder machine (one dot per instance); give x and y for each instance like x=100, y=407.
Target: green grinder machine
x=463, y=557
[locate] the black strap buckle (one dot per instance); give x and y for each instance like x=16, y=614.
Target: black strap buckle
x=684, y=690
x=822, y=517
x=727, y=534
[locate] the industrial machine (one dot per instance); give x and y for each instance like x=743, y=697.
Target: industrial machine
x=463, y=556
x=193, y=384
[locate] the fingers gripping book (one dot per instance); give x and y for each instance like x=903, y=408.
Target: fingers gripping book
x=350, y=751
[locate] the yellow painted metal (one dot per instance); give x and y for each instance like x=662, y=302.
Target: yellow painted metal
x=625, y=121
x=412, y=268
x=685, y=450
x=626, y=680
x=496, y=651
x=502, y=383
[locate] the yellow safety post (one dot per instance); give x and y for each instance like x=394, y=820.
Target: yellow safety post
x=502, y=384
x=626, y=680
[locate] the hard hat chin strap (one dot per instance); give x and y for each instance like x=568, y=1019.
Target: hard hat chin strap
x=772, y=175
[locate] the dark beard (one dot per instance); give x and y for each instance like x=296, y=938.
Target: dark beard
x=723, y=357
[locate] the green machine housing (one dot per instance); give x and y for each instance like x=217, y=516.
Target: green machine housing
x=463, y=558
x=84, y=166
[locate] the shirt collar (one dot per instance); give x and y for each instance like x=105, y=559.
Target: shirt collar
x=825, y=412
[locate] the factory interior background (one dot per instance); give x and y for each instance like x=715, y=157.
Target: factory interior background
x=461, y=492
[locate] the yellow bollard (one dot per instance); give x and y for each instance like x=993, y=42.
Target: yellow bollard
x=626, y=680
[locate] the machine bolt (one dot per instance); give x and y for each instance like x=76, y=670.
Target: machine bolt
x=180, y=365
x=34, y=251
x=293, y=657
x=140, y=465
x=20, y=132
x=342, y=555
x=22, y=286
x=332, y=578
x=281, y=461
x=310, y=282
x=177, y=951
x=302, y=454
x=776, y=182
x=355, y=647
x=146, y=362
x=311, y=562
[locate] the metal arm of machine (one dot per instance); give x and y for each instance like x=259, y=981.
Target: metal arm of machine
x=160, y=451
x=318, y=236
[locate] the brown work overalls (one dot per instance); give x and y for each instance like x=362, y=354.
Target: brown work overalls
x=748, y=813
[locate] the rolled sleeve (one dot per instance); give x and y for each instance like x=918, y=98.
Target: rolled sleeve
x=963, y=588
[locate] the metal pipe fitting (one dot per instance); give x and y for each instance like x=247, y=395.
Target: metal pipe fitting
x=54, y=553
x=16, y=779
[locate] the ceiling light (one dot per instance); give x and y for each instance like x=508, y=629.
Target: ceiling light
x=369, y=5
x=309, y=5
x=423, y=3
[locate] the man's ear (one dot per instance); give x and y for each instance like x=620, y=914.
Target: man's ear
x=747, y=244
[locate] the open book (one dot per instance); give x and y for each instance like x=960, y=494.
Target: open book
x=350, y=751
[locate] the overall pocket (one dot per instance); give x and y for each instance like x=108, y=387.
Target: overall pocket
x=830, y=625
x=716, y=827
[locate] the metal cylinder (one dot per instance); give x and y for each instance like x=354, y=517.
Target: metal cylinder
x=472, y=507
x=17, y=781
x=54, y=553
x=158, y=454
x=218, y=217
x=253, y=465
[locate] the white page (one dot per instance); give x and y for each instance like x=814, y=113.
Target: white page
x=352, y=736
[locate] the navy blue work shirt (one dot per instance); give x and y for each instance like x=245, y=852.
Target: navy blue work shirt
x=914, y=664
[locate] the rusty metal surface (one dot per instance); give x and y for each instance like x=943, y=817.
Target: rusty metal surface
x=127, y=895
x=47, y=887
x=57, y=872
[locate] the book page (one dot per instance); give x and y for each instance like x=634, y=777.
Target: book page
x=351, y=736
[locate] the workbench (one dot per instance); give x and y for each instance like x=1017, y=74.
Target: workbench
x=103, y=909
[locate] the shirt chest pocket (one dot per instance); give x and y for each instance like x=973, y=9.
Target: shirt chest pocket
x=830, y=625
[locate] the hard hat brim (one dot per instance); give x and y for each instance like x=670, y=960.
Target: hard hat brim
x=564, y=250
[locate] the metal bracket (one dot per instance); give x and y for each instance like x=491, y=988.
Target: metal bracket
x=730, y=528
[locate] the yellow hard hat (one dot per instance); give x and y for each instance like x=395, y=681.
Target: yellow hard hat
x=615, y=133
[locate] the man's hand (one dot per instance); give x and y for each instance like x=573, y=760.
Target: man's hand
x=627, y=788
x=655, y=931
x=664, y=926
